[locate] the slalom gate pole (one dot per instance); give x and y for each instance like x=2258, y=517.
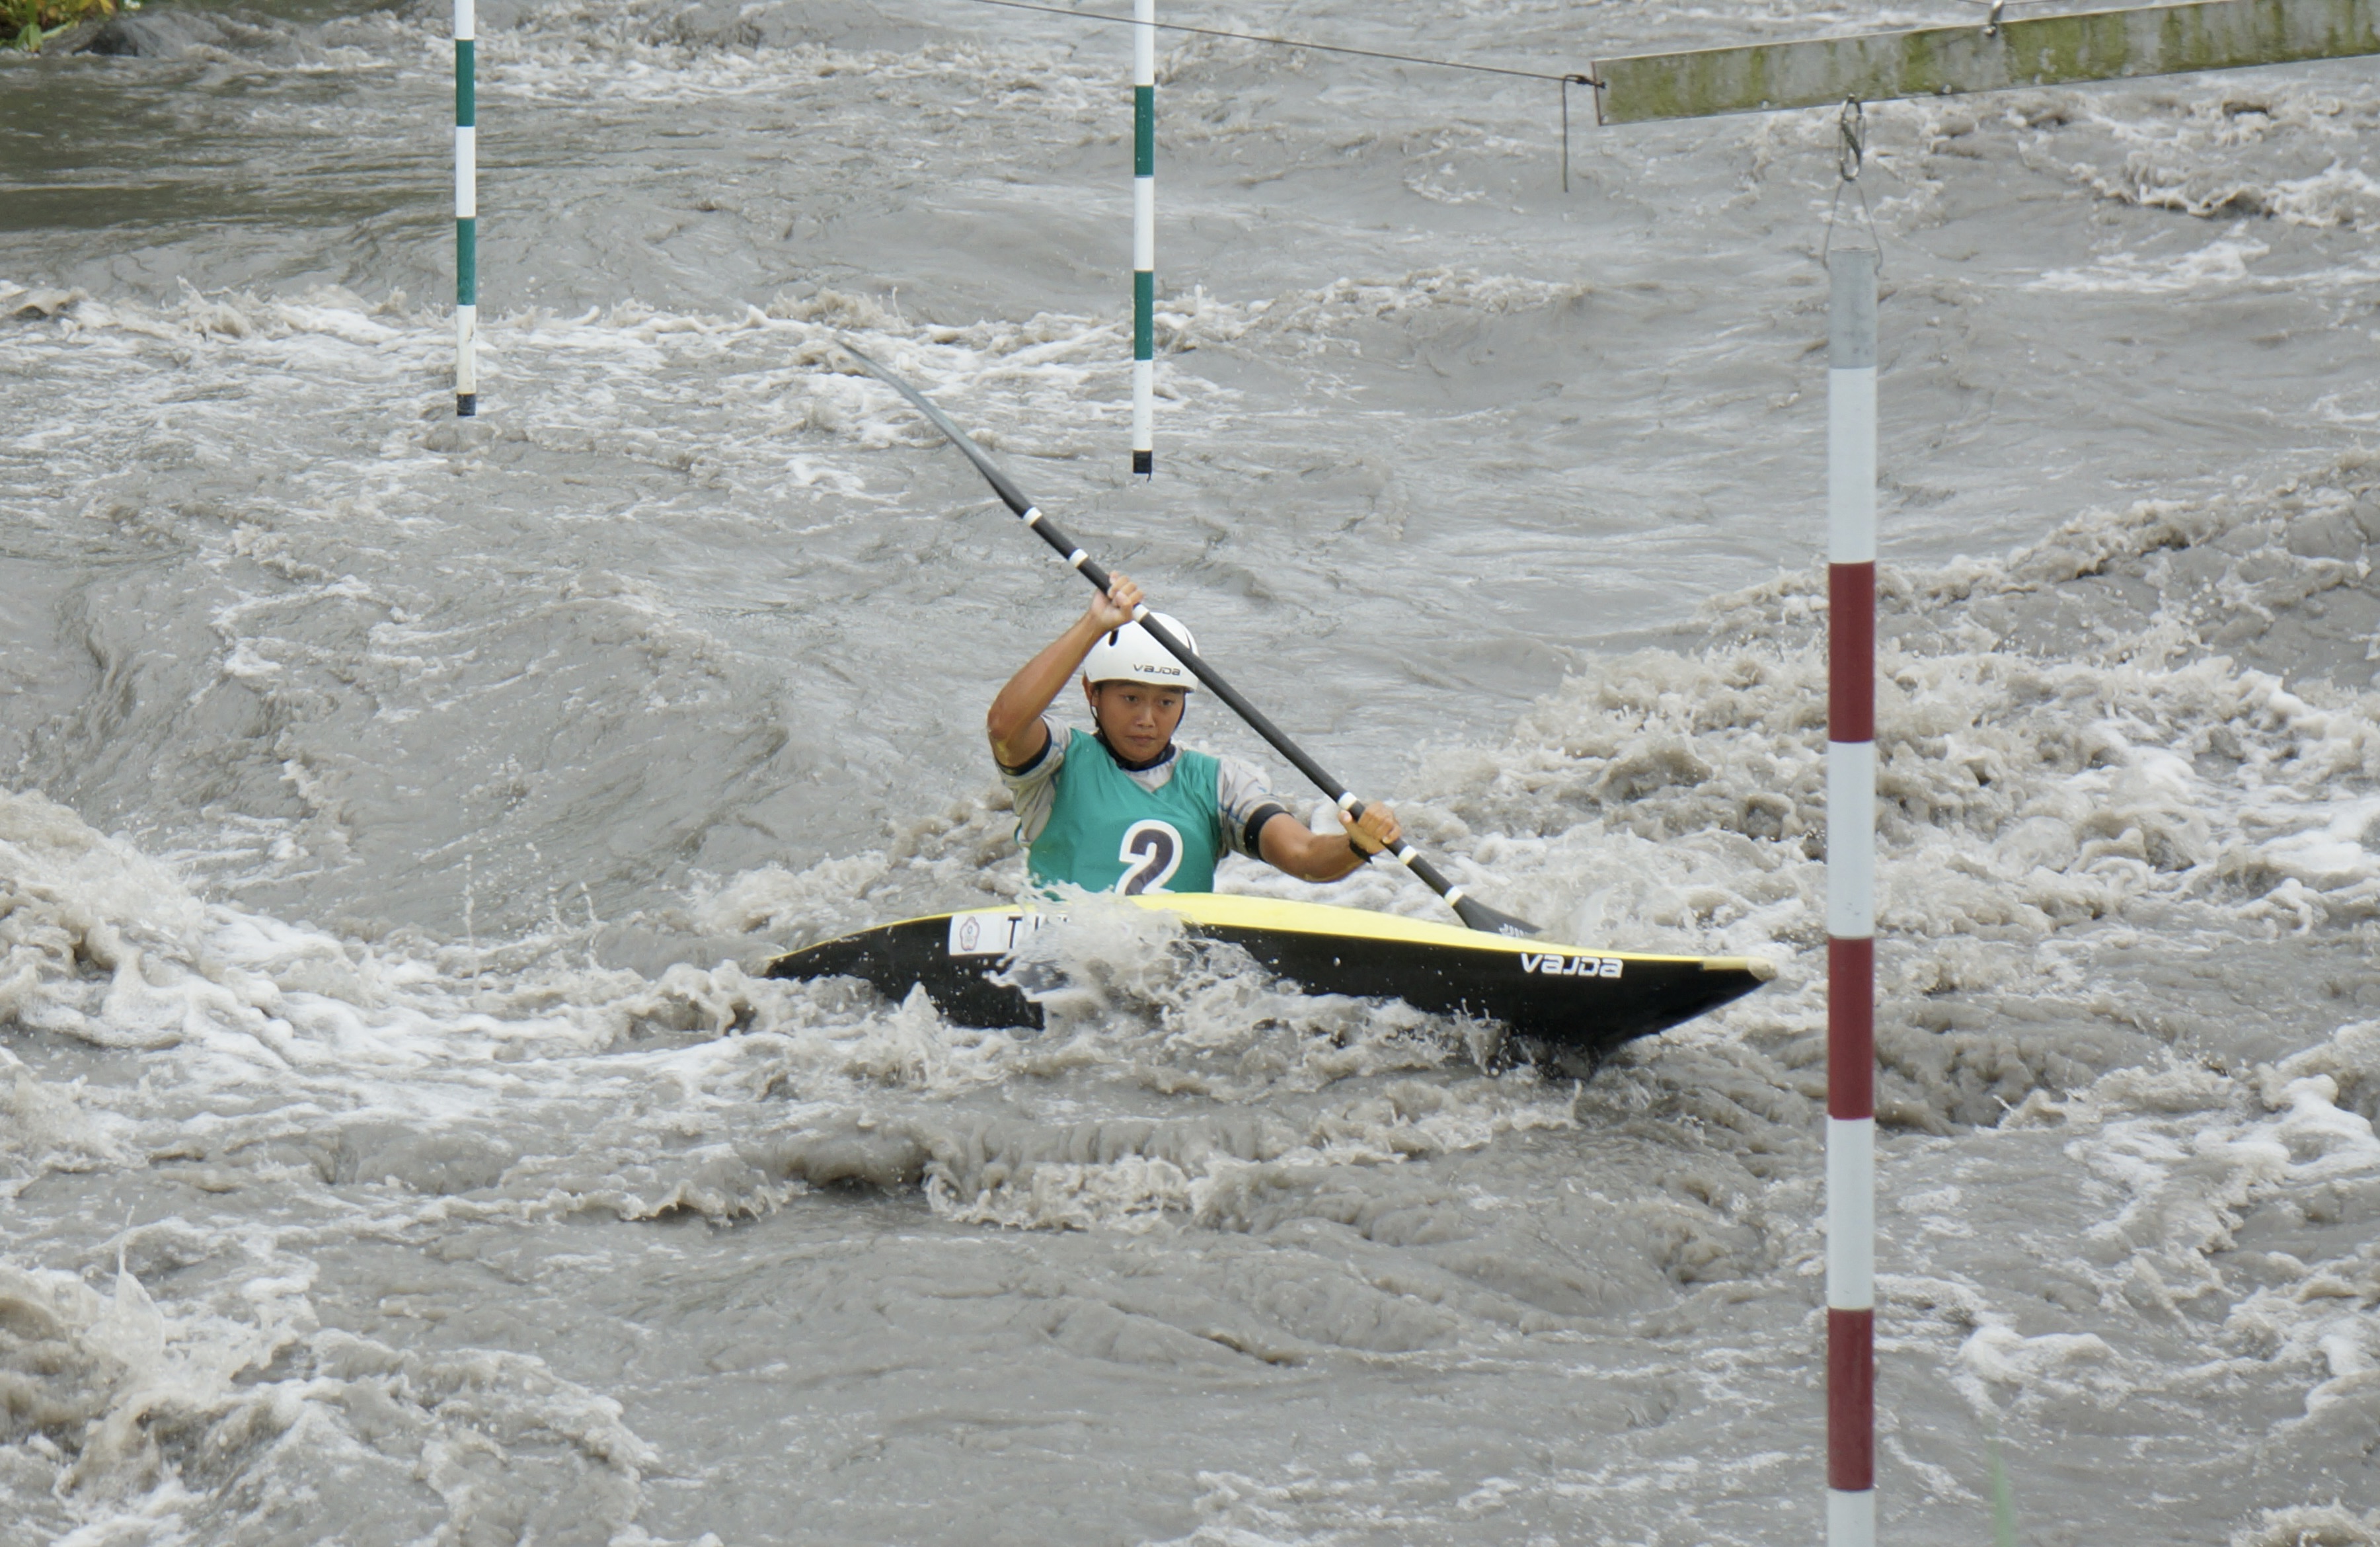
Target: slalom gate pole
x=1144, y=237
x=1470, y=909
x=467, y=218
x=1850, y=900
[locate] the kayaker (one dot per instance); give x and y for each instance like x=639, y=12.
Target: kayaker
x=1122, y=808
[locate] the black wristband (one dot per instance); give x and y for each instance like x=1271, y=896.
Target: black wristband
x=1363, y=856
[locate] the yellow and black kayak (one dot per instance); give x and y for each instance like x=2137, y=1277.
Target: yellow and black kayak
x=1562, y=996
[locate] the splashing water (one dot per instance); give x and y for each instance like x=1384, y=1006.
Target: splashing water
x=399, y=1138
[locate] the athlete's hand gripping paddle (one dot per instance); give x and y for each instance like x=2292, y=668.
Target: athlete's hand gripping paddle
x=1472, y=911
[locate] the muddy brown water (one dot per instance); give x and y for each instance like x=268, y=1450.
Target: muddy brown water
x=396, y=1141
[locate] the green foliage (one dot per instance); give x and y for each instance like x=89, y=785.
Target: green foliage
x=26, y=23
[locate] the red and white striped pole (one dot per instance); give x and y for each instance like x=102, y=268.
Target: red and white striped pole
x=1850, y=900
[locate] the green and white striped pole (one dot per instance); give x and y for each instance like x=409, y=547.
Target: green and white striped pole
x=1144, y=236
x=466, y=220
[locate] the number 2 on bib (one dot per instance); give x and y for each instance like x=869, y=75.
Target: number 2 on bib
x=1151, y=852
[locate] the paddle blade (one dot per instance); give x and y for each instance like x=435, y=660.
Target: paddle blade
x=1486, y=920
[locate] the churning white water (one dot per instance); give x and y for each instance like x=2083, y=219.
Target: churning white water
x=399, y=1144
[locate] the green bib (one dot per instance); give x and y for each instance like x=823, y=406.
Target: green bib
x=1106, y=833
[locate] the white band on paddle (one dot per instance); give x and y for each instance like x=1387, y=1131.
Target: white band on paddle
x=1347, y=801
x=1404, y=853
x=1078, y=558
x=1032, y=514
x=1455, y=894
x=1139, y=611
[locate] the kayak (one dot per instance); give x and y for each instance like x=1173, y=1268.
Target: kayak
x=1570, y=998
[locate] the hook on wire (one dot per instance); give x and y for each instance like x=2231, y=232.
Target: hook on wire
x=1850, y=156
x=1850, y=139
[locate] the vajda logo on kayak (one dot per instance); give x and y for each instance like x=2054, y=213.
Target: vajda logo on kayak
x=1551, y=966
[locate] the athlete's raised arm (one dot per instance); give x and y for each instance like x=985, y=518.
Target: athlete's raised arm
x=1014, y=723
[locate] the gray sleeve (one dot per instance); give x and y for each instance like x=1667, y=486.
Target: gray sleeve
x=1034, y=787
x=1246, y=803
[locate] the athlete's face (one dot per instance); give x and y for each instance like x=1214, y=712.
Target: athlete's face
x=1137, y=718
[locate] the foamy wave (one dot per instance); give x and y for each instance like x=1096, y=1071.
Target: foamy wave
x=2220, y=262
x=2331, y=1525
x=127, y=1404
x=2216, y=1244
x=2276, y=149
x=1333, y=310
x=1219, y=1172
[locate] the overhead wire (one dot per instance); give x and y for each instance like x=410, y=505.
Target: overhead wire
x=1281, y=42
x=1566, y=80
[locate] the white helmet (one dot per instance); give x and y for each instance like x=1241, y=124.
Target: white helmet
x=1129, y=654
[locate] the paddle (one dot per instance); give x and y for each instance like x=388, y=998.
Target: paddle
x=1472, y=911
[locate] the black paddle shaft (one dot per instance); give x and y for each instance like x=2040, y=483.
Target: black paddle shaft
x=1472, y=911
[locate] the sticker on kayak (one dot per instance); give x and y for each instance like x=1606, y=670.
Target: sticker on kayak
x=1551, y=966
x=994, y=933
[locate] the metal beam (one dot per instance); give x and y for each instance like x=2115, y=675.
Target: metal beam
x=1945, y=61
